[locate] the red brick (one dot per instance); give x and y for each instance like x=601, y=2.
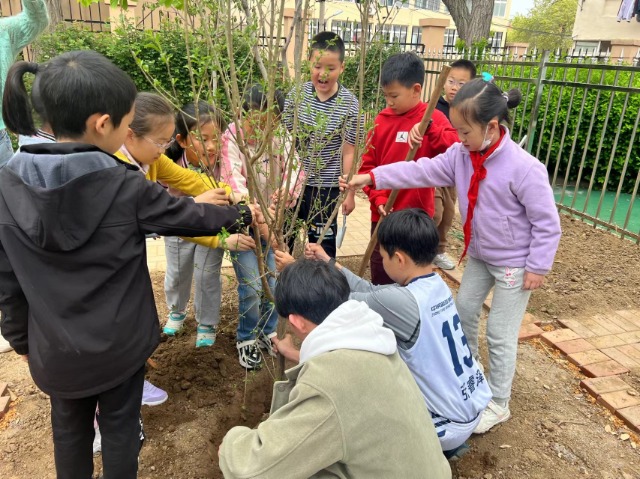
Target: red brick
x=621, y=357
x=588, y=357
x=607, y=384
x=631, y=416
x=631, y=315
x=606, y=368
x=622, y=322
x=618, y=400
x=529, y=331
x=3, y=389
x=608, y=324
x=603, y=342
x=577, y=327
x=575, y=346
x=531, y=319
x=558, y=336
x=4, y=405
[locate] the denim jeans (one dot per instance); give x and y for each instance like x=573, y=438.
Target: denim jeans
x=183, y=260
x=6, y=149
x=256, y=312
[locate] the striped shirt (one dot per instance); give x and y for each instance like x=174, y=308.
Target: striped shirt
x=323, y=127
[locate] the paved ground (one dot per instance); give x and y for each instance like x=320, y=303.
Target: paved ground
x=355, y=241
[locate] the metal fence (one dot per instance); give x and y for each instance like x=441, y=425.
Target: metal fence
x=580, y=116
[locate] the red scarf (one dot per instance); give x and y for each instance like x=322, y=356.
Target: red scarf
x=479, y=173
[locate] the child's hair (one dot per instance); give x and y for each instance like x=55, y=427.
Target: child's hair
x=312, y=289
x=72, y=87
x=465, y=65
x=151, y=110
x=36, y=101
x=405, y=68
x=480, y=101
x=255, y=98
x=189, y=118
x=328, y=41
x=411, y=231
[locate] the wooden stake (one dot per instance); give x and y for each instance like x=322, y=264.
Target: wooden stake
x=426, y=118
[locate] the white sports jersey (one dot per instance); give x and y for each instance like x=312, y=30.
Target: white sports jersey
x=453, y=386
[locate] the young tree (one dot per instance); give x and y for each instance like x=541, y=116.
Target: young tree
x=547, y=26
x=472, y=18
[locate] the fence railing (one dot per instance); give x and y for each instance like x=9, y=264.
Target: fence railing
x=580, y=116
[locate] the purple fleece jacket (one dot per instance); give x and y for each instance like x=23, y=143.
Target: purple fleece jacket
x=515, y=222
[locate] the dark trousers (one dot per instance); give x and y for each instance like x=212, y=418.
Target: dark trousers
x=316, y=207
x=378, y=274
x=119, y=420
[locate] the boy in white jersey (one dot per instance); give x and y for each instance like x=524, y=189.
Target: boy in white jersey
x=421, y=312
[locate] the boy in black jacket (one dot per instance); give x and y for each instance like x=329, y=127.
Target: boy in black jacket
x=75, y=292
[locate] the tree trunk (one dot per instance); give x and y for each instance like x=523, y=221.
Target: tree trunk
x=474, y=25
x=55, y=12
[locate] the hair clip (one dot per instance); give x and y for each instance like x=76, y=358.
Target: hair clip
x=488, y=77
x=505, y=95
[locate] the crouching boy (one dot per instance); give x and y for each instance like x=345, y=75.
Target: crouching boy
x=421, y=312
x=350, y=409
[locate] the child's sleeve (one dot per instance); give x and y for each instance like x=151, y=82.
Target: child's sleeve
x=369, y=162
x=422, y=173
x=232, y=167
x=159, y=212
x=188, y=181
x=208, y=241
x=14, y=307
x=440, y=135
x=289, y=107
x=536, y=195
x=27, y=25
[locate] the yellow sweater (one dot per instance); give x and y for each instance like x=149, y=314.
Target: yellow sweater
x=185, y=180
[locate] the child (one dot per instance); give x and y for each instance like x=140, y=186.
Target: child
x=419, y=309
x=197, y=153
x=401, y=81
x=75, y=291
x=511, y=225
x=16, y=33
x=350, y=409
x=327, y=115
x=257, y=316
x=462, y=71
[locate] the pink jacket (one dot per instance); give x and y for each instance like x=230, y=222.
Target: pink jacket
x=515, y=221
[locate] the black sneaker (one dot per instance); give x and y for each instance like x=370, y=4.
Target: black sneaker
x=249, y=355
x=264, y=342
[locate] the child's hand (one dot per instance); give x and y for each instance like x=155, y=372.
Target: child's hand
x=316, y=252
x=382, y=212
x=532, y=281
x=283, y=259
x=286, y=348
x=349, y=203
x=357, y=182
x=256, y=213
x=239, y=242
x=217, y=196
x=414, y=136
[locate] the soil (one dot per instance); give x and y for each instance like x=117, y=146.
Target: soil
x=556, y=430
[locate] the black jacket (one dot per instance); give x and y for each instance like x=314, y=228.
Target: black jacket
x=443, y=106
x=75, y=292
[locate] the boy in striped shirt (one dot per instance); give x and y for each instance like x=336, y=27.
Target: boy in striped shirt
x=326, y=134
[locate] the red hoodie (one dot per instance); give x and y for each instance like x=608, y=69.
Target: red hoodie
x=389, y=144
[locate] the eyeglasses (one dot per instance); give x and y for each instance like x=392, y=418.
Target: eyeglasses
x=162, y=146
x=451, y=82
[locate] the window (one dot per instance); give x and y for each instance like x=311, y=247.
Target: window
x=433, y=5
x=387, y=3
x=314, y=27
x=347, y=30
x=500, y=8
x=416, y=35
x=450, y=37
x=587, y=48
x=496, y=40
x=392, y=33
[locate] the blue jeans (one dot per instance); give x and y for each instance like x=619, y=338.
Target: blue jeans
x=256, y=313
x=6, y=149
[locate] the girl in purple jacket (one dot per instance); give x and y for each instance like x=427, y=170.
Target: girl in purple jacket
x=511, y=224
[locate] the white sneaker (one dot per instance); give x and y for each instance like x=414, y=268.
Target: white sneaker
x=491, y=416
x=5, y=347
x=97, y=442
x=443, y=261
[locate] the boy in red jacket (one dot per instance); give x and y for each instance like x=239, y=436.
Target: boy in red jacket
x=401, y=81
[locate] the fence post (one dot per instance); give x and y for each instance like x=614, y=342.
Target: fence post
x=533, y=119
